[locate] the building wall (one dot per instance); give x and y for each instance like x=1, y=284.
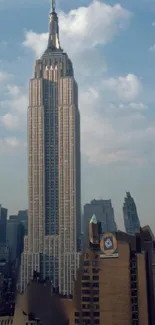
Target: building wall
x=142, y=290
x=115, y=300
x=112, y=290
x=69, y=200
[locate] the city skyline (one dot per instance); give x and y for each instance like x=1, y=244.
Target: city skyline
x=128, y=161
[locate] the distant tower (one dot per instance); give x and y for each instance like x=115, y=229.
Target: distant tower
x=104, y=212
x=131, y=220
x=3, y=223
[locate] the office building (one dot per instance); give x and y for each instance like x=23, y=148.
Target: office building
x=104, y=212
x=3, y=221
x=54, y=211
x=22, y=216
x=114, y=285
x=131, y=220
x=15, y=238
x=114, y=282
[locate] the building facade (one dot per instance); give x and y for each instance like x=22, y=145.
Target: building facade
x=109, y=288
x=54, y=207
x=131, y=220
x=15, y=238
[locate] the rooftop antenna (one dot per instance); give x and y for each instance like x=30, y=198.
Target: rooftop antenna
x=53, y=5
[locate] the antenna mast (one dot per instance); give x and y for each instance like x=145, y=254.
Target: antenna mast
x=53, y=5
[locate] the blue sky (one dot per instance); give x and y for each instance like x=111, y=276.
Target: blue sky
x=111, y=46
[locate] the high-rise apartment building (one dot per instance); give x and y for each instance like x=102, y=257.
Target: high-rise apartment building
x=54, y=211
x=131, y=220
x=103, y=211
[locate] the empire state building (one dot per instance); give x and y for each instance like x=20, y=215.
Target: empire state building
x=54, y=177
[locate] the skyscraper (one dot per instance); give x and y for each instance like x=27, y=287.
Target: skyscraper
x=54, y=212
x=131, y=220
x=3, y=222
x=104, y=213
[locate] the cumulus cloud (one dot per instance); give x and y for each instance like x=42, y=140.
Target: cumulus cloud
x=152, y=48
x=126, y=88
x=11, y=145
x=3, y=76
x=15, y=108
x=115, y=132
x=84, y=28
x=10, y=121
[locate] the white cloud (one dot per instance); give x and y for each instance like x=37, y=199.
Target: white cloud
x=152, y=48
x=13, y=90
x=84, y=28
x=10, y=121
x=12, y=142
x=114, y=132
x=126, y=88
x=15, y=108
x=11, y=145
x=3, y=76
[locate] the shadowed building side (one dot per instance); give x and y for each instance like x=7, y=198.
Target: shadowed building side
x=39, y=305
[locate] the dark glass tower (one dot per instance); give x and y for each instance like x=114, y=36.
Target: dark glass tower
x=131, y=220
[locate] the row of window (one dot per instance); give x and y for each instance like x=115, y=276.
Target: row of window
x=88, y=292
x=88, y=321
x=87, y=299
x=89, y=284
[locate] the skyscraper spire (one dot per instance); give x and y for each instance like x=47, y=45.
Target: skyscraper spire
x=53, y=5
x=53, y=41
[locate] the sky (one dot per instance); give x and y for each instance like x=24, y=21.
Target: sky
x=112, y=46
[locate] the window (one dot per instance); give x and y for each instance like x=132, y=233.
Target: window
x=96, y=284
x=86, y=263
x=135, y=322
x=134, y=308
x=86, y=299
x=86, y=284
x=86, y=313
x=95, y=263
x=96, y=307
x=96, y=313
x=76, y=321
x=95, y=292
x=133, y=285
x=87, y=321
x=95, y=277
x=95, y=270
x=86, y=271
x=96, y=321
x=76, y=313
x=96, y=299
x=134, y=300
x=85, y=306
x=86, y=292
x=86, y=277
